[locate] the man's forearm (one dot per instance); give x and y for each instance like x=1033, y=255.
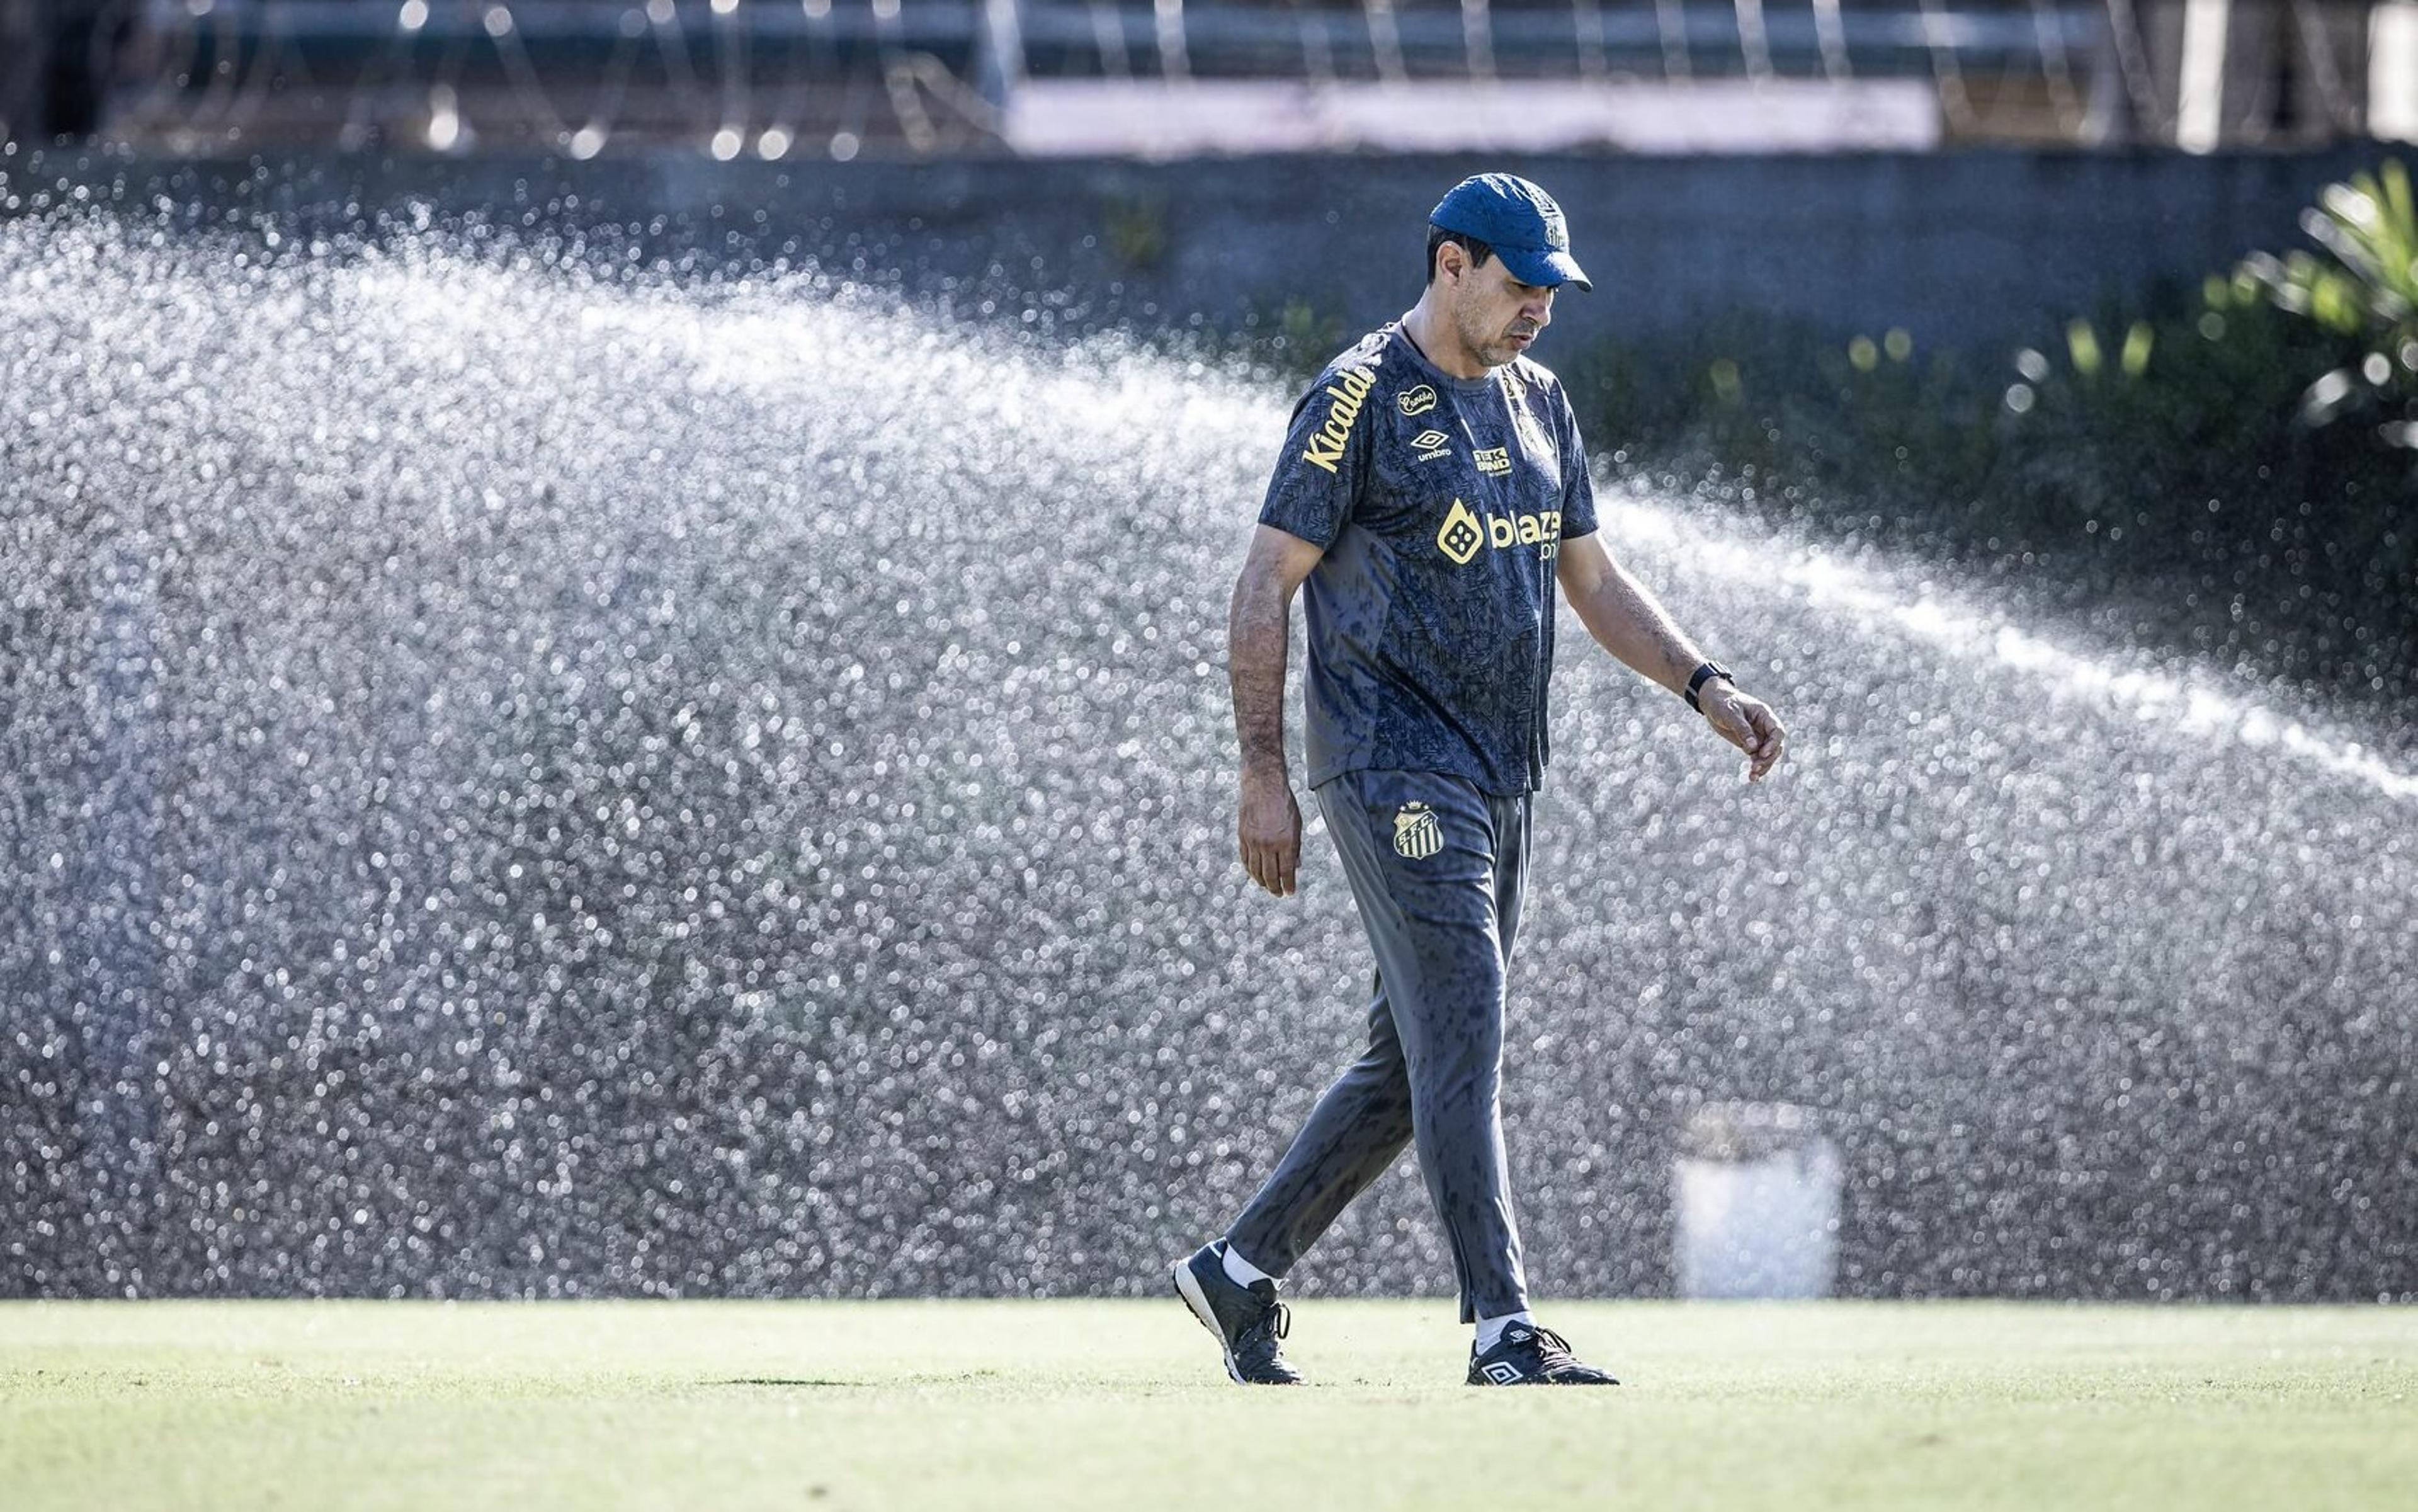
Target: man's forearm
x=1627, y=620
x=1257, y=627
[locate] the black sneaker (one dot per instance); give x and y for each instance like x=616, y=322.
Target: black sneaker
x=1531, y=1356
x=1248, y=1319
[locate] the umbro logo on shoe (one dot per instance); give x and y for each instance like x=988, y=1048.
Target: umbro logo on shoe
x=1526, y=1356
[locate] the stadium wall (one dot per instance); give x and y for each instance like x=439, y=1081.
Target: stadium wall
x=1959, y=248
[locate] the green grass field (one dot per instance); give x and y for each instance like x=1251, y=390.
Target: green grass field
x=1123, y=1404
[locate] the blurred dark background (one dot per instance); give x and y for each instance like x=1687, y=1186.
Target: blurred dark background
x=926, y=77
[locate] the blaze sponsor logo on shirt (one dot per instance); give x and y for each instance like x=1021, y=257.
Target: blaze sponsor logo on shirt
x=1416, y=833
x=1465, y=531
x=1493, y=461
x=1430, y=444
x=1416, y=401
x=1350, y=385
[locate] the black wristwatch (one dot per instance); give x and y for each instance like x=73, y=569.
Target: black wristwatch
x=1704, y=674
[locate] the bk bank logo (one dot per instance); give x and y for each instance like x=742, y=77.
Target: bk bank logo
x=1465, y=531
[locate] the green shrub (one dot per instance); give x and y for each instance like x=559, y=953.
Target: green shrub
x=2367, y=296
x=2173, y=451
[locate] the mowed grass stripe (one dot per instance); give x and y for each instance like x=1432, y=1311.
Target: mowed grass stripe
x=1123, y=1404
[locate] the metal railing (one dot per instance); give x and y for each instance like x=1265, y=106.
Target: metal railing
x=930, y=76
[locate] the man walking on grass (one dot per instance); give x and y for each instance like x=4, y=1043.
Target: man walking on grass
x=1432, y=490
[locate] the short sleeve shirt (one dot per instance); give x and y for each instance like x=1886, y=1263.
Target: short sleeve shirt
x=1441, y=503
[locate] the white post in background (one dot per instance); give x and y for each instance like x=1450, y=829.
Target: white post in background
x=1478, y=39
x=1175, y=61
x=2393, y=71
x=1832, y=29
x=1758, y=1192
x=999, y=60
x=1754, y=42
x=2200, y=97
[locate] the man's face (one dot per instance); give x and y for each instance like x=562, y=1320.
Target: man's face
x=1497, y=317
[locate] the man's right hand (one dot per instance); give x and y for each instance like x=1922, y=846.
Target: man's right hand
x=1270, y=831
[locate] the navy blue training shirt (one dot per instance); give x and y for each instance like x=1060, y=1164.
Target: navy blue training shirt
x=1441, y=503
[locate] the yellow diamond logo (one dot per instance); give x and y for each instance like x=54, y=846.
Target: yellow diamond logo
x=1462, y=534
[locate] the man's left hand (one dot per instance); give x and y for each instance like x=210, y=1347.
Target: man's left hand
x=1747, y=723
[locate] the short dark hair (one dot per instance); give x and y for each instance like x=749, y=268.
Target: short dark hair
x=1437, y=236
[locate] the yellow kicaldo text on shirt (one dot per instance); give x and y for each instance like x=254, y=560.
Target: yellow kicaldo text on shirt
x=1325, y=449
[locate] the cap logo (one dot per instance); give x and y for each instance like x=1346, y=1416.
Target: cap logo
x=1557, y=231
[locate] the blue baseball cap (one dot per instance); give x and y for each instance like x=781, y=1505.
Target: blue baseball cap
x=1519, y=221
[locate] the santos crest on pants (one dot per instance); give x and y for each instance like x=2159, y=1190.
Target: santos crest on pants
x=1416, y=833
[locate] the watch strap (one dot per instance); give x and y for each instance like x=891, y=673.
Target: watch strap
x=1704, y=674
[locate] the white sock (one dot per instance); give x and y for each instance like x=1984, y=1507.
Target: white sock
x=1242, y=1272
x=1489, y=1329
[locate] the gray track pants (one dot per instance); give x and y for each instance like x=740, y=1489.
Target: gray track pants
x=1437, y=868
